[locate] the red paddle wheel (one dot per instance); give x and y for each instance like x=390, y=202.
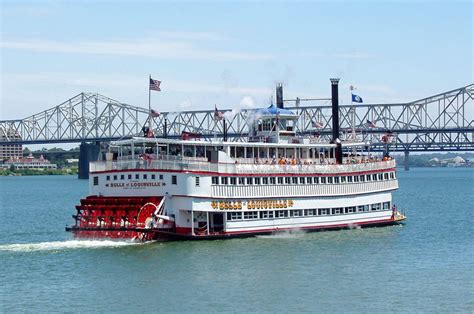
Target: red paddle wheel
x=115, y=217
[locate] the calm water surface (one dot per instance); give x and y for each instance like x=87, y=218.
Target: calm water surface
x=425, y=265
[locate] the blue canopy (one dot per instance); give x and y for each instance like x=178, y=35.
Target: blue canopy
x=273, y=110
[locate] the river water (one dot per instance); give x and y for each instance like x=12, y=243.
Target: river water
x=426, y=265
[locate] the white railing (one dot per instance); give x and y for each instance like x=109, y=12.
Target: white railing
x=286, y=190
x=191, y=164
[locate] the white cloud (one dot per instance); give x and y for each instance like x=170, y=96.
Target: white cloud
x=146, y=47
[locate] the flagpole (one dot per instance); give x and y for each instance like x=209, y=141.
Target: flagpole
x=149, y=105
x=353, y=115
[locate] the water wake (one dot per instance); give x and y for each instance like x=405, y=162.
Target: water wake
x=287, y=234
x=65, y=245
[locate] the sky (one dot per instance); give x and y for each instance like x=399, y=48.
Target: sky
x=229, y=54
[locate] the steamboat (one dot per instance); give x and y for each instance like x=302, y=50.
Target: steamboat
x=151, y=188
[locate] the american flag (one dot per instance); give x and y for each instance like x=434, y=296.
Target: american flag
x=155, y=85
x=154, y=113
x=317, y=124
x=218, y=115
x=370, y=124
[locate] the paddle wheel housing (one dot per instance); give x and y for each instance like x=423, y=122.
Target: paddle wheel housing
x=117, y=217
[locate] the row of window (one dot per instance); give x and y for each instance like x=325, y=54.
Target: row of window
x=271, y=214
x=303, y=180
x=145, y=176
x=137, y=177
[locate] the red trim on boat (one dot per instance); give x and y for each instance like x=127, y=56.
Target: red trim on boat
x=247, y=174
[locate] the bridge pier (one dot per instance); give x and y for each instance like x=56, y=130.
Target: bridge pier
x=406, y=161
x=87, y=152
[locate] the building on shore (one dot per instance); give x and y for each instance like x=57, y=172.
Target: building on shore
x=10, y=150
x=29, y=162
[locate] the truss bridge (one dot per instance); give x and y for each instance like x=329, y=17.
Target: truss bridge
x=442, y=122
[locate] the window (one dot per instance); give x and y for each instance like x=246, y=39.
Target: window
x=287, y=180
x=115, y=178
x=249, y=180
x=153, y=177
x=302, y=180
x=349, y=179
x=336, y=180
x=272, y=180
x=380, y=177
x=280, y=180
x=343, y=179
x=241, y=180
x=161, y=177
x=137, y=176
x=257, y=181
x=374, y=177
x=316, y=180
x=362, y=178
x=294, y=180
x=323, y=211
x=385, y=175
x=250, y=215
x=337, y=211
x=122, y=177
x=224, y=180
x=265, y=180
x=311, y=212
x=234, y=216
x=330, y=180
x=174, y=180
x=130, y=177
x=367, y=177
x=281, y=213
x=296, y=213
x=392, y=175
x=375, y=207
x=309, y=180
x=266, y=214
x=360, y=208
x=233, y=180
x=350, y=210
x=108, y=178
x=145, y=176
x=215, y=180
x=96, y=180
x=197, y=181
x=323, y=180
x=356, y=179
x=386, y=205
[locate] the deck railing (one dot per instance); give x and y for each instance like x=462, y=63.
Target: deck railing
x=185, y=164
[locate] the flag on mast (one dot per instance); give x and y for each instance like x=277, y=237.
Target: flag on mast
x=370, y=124
x=218, y=115
x=154, y=113
x=317, y=124
x=155, y=85
x=356, y=98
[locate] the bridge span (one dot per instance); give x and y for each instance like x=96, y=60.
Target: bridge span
x=442, y=122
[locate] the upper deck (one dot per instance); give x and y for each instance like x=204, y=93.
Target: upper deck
x=239, y=158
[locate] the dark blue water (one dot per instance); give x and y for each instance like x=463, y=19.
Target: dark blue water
x=424, y=266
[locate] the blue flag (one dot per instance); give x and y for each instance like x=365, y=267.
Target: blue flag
x=356, y=98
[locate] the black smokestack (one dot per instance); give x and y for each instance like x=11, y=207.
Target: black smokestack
x=165, y=129
x=224, y=124
x=335, y=118
x=279, y=94
x=335, y=108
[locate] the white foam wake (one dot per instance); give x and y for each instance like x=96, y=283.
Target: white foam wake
x=65, y=245
x=287, y=234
